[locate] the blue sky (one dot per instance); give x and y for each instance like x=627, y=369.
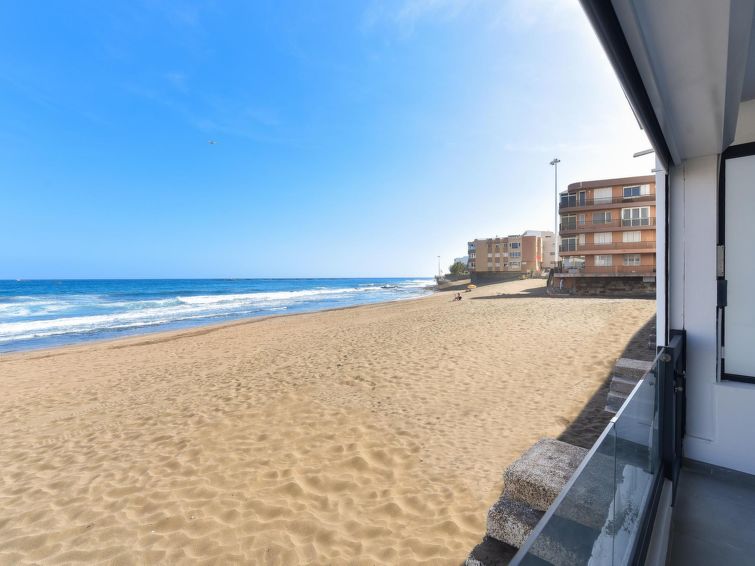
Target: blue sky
x=353, y=139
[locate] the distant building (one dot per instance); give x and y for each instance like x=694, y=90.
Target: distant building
x=464, y=260
x=549, y=247
x=507, y=257
x=607, y=232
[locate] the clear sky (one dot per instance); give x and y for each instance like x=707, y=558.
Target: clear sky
x=353, y=139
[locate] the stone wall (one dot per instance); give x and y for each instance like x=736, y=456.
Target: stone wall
x=483, y=277
x=609, y=286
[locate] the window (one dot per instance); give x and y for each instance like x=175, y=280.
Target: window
x=568, y=222
x=639, y=216
x=603, y=260
x=582, y=198
x=603, y=238
x=490, y=255
x=630, y=237
x=514, y=245
x=497, y=255
x=568, y=244
x=516, y=254
x=632, y=259
x=581, y=240
x=602, y=195
x=601, y=217
x=568, y=200
x=515, y=264
x=636, y=191
x=581, y=219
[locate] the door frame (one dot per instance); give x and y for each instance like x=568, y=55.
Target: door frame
x=732, y=152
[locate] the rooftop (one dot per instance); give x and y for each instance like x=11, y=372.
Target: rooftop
x=600, y=183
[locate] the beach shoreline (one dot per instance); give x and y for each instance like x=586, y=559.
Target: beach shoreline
x=374, y=434
x=164, y=335
x=183, y=325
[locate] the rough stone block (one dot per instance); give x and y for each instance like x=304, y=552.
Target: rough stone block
x=511, y=521
x=540, y=474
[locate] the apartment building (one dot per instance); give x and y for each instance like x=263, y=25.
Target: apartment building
x=607, y=233
x=507, y=257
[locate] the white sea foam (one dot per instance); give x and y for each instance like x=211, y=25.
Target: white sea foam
x=29, y=318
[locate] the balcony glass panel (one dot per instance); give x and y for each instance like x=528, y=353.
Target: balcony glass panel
x=597, y=517
x=637, y=462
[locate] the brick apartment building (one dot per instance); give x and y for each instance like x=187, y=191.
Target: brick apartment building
x=607, y=233
x=508, y=257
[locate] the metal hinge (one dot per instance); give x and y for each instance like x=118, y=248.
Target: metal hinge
x=720, y=261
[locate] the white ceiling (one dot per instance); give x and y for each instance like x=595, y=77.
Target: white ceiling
x=695, y=60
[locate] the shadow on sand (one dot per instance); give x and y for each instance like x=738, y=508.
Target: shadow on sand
x=586, y=428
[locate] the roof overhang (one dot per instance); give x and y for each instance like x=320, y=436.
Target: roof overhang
x=685, y=66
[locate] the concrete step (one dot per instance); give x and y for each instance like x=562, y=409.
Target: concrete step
x=511, y=521
x=614, y=401
x=628, y=373
x=491, y=552
x=539, y=475
x=622, y=385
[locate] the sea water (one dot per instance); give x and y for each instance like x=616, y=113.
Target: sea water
x=41, y=314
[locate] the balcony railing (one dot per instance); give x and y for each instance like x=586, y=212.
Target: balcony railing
x=618, y=269
x=608, y=247
x=579, y=203
x=598, y=516
x=597, y=226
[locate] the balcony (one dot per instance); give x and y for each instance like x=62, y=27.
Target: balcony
x=607, y=226
x=614, y=247
x=594, y=203
x=608, y=271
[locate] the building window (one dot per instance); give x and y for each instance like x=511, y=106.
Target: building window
x=639, y=216
x=568, y=244
x=636, y=191
x=631, y=237
x=602, y=195
x=603, y=238
x=581, y=219
x=632, y=259
x=514, y=264
x=568, y=222
x=490, y=255
x=514, y=245
x=568, y=199
x=603, y=260
x=516, y=254
x=601, y=217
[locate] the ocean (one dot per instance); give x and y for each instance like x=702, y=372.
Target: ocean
x=46, y=313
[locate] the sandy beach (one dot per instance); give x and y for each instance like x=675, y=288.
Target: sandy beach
x=370, y=435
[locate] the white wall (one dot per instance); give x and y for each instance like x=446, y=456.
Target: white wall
x=720, y=415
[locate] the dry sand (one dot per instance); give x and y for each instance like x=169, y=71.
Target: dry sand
x=369, y=435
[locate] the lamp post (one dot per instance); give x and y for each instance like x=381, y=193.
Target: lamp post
x=555, y=163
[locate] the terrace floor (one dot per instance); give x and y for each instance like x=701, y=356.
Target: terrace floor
x=713, y=518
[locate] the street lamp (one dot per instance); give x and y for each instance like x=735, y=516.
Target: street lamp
x=555, y=163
